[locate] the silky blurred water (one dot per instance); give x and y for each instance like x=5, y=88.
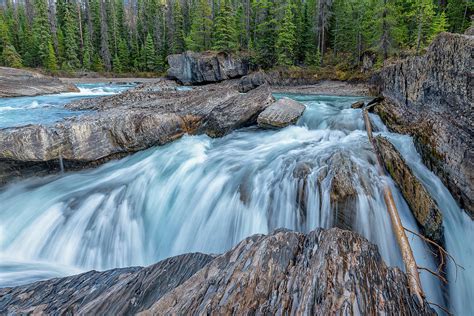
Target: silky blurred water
x=48, y=109
x=203, y=194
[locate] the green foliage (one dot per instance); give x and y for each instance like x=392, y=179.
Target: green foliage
x=285, y=43
x=225, y=34
x=137, y=35
x=10, y=57
x=199, y=37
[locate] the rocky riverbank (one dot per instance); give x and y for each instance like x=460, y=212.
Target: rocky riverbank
x=430, y=97
x=323, y=272
x=19, y=82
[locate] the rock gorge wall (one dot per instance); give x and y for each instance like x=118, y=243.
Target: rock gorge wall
x=431, y=98
x=325, y=272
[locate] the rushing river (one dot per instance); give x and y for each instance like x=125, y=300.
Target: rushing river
x=203, y=194
x=50, y=108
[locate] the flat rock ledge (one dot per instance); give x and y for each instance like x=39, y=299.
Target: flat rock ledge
x=280, y=114
x=127, y=123
x=325, y=272
x=19, y=82
x=422, y=205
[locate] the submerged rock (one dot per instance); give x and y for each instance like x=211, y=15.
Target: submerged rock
x=127, y=123
x=323, y=272
x=358, y=105
x=423, y=207
x=430, y=97
x=280, y=114
x=200, y=68
x=19, y=82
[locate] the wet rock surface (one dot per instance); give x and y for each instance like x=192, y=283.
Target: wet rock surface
x=423, y=207
x=130, y=122
x=206, y=67
x=19, y=82
x=280, y=114
x=324, y=272
x=430, y=97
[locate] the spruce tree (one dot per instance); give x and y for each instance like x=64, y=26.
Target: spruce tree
x=199, y=38
x=50, y=62
x=10, y=57
x=286, y=39
x=42, y=36
x=71, y=38
x=149, y=54
x=265, y=35
x=178, y=45
x=225, y=35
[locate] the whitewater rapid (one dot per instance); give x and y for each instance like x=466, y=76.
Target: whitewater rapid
x=206, y=195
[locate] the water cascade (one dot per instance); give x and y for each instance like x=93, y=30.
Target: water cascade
x=203, y=194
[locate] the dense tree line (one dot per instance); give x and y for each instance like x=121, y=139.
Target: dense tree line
x=137, y=35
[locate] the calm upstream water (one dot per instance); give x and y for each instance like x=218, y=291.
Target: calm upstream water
x=203, y=194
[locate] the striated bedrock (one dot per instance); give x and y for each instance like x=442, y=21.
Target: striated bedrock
x=127, y=123
x=280, y=114
x=430, y=97
x=324, y=272
x=200, y=68
x=19, y=82
x=422, y=205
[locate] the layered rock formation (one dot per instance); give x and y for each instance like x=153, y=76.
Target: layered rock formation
x=280, y=114
x=19, y=82
x=430, y=97
x=200, y=68
x=127, y=123
x=422, y=205
x=323, y=272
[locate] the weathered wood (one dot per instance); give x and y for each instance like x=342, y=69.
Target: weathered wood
x=411, y=267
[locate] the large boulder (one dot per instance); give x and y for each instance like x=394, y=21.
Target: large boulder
x=19, y=82
x=126, y=123
x=430, y=97
x=281, y=114
x=424, y=208
x=201, y=68
x=324, y=272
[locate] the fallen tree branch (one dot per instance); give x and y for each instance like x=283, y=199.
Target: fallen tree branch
x=442, y=252
x=441, y=307
x=439, y=276
x=411, y=267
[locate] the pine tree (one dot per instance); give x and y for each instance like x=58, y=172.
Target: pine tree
x=265, y=34
x=149, y=54
x=50, y=61
x=10, y=57
x=286, y=40
x=199, y=38
x=457, y=13
x=42, y=36
x=117, y=65
x=178, y=45
x=225, y=35
x=440, y=24
x=71, y=39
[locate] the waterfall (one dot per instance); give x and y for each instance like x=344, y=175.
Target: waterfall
x=206, y=195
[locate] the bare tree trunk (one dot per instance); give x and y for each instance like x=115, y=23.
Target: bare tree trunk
x=411, y=268
x=104, y=37
x=53, y=25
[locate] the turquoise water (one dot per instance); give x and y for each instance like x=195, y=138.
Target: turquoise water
x=203, y=194
x=47, y=109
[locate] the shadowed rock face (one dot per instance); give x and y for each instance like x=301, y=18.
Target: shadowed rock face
x=200, y=68
x=127, y=123
x=423, y=207
x=430, y=97
x=323, y=272
x=280, y=114
x=18, y=82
